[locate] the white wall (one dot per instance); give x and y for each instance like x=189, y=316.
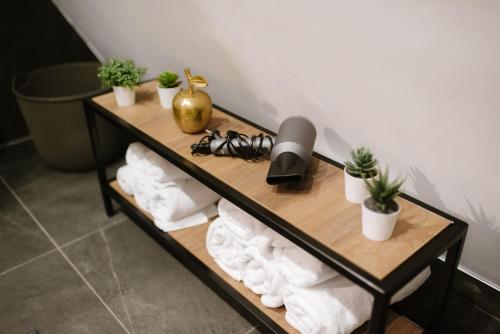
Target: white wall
x=416, y=81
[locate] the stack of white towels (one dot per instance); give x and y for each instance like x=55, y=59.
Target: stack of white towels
x=316, y=298
x=172, y=197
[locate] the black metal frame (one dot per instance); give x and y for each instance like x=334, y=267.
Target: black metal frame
x=449, y=240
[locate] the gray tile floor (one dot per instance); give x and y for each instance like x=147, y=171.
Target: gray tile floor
x=67, y=268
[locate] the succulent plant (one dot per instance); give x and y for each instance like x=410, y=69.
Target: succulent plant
x=122, y=73
x=168, y=79
x=363, y=163
x=383, y=191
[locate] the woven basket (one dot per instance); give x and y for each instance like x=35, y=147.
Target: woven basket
x=51, y=101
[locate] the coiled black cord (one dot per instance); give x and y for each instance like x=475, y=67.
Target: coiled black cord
x=244, y=150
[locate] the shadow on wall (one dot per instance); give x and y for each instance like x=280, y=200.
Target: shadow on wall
x=213, y=58
x=336, y=143
x=425, y=189
x=483, y=237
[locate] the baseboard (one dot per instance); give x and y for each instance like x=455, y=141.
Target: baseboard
x=471, y=288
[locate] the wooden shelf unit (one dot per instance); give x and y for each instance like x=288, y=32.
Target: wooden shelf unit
x=193, y=241
x=315, y=215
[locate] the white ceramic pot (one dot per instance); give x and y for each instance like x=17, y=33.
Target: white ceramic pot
x=124, y=96
x=355, y=188
x=167, y=95
x=377, y=226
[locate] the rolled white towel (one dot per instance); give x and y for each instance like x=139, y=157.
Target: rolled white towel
x=261, y=276
x=225, y=250
x=243, y=226
x=299, y=267
x=144, y=192
x=127, y=178
x=336, y=306
x=159, y=170
x=177, y=201
x=199, y=217
x=135, y=155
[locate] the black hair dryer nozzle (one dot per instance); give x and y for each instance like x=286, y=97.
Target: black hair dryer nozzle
x=292, y=151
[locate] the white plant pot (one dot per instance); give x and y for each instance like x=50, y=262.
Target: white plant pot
x=124, y=96
x=355, y=188
x=377, y=226
x=167, y=95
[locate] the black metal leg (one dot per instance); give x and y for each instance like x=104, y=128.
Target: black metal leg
x=100, y=165
x=445, y=285
x=380, y=312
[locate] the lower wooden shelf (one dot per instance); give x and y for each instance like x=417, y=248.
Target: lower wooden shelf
x=193, y=240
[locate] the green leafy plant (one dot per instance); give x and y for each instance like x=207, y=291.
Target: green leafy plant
x=363, y=163
x=168, y=79
x=383, y=191
x=122, y=73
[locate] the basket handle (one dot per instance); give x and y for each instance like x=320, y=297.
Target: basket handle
x=19, y=81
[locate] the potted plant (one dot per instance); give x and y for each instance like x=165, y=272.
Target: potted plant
x=380, y=211
x=363, y=165
x=168, y=87
x=123, y=76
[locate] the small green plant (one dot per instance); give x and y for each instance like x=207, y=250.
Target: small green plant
x=168, y=79
x=363, y=163
x=383, y=191
x=121, y=73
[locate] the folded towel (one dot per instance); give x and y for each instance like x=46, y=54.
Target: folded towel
x=243, y=226
x=200, y=217
x=144, y=192
x=226, y=251
x=336, y=306
x=179, y=200
x=160, y=170
x=299, y=267
x=135, y=155
x=127, y=178
x=261, y=276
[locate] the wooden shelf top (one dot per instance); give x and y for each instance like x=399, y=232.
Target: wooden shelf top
x=317, y=207
x=193, y=240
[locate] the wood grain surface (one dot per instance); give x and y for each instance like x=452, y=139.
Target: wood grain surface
x=193, y=240
x=317, y=207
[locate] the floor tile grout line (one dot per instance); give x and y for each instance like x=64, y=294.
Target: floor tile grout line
x=251, y=330
x=117, y=280
x=69, y=243
x=39, y=256
x=62, y=253
x=97, y=230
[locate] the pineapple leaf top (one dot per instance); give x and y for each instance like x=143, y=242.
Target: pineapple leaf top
x=382, y=190
x=363, y=163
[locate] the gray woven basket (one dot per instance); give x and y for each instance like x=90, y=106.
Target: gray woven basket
x=51, y=101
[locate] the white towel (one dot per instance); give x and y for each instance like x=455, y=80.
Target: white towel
x=200, y=217
x=298, y=266
x=260, y=274
x=226, y=251
x=160, y=170
x=336, y=306
x=243, y=226
x=144, y=192
x=135, y=155
x=127, y=178
x=177, y=201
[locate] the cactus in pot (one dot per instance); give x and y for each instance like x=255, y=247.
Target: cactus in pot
x=362, y=165
x=168, y=87
x=380, y=211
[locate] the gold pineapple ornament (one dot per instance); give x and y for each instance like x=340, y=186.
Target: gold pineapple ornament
x=192, y=107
